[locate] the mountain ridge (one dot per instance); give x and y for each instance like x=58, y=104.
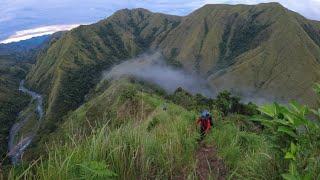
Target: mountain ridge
x=243, y=48
x=277, y=18
x=73, y=54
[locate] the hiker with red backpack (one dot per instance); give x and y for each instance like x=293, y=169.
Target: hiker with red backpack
x=205, y=122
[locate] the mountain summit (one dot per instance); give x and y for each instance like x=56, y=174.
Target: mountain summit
x=263, y=49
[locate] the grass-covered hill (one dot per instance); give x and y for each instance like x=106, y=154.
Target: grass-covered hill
x=260, y=50
x=263, y=50
x=72, y=65
x=131, y=130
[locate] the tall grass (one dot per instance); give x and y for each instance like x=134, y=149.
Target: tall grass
x=129, y=151
x=247, y=155
x=125, y=133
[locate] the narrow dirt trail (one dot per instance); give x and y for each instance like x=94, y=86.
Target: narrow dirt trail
x=209, y=165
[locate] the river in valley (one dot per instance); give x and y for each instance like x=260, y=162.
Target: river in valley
x=17, y=145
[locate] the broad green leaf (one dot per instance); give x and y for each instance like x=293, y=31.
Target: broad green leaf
x=298, y=113
x=290, y=118
x=289, y=155
x=296, y=119
x=287, y=130
x=295, y=107
x=293, y=148
x=269, y=109
x=266, y=122
x=288, y=176
x=282, y=122
x=96, y=169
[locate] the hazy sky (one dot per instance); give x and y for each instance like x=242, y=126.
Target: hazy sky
x=21, y=19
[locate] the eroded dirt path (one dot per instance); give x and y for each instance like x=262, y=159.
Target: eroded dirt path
x=209, y=165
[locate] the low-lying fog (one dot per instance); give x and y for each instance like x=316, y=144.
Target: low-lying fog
x=153, y=68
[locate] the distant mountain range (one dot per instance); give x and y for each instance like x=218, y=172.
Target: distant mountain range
x=23, y=50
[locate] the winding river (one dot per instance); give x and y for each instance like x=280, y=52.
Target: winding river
x=17, y=147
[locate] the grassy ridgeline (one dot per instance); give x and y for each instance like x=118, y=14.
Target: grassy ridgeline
x=124, y=133
x=144, y=141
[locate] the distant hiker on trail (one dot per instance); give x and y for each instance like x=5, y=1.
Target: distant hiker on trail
x=205, y=122
x=164, y=107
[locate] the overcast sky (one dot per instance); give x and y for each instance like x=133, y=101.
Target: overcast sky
x=22, y=19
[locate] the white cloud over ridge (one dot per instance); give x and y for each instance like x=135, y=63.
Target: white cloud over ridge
x=35, y=32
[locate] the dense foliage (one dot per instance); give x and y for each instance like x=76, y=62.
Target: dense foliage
x=295, y=132
x=225, y=103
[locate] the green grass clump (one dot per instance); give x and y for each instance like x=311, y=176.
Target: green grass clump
x=246, y=154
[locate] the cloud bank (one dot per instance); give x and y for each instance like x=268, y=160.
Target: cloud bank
x=153, y=68
x=40, y=31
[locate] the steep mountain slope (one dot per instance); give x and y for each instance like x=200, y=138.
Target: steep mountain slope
x=71, y=66
x=262, y=50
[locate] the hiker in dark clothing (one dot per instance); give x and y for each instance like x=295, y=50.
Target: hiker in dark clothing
x=205, y=122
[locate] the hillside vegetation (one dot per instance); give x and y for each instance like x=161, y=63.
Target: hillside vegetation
x=130, y=130
x=258, y=51
x=72, y=65
x=262, y=50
